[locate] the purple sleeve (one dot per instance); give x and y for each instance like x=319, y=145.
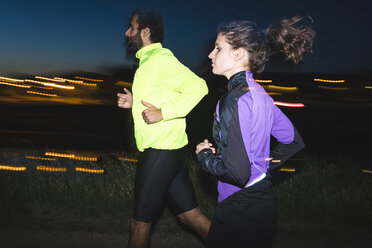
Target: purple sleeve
x=282, y=127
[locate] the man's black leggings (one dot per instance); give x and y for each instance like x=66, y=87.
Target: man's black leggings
x=162, y=175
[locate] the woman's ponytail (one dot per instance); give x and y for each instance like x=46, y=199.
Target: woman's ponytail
x=291, y=38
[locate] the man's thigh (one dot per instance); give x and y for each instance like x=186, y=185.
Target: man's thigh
x=156, y=171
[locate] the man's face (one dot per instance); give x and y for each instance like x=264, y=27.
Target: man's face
x=134, y=40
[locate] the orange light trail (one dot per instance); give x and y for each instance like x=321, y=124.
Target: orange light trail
x=59, y=86
x=42, y=87
x=333, y=88
x=287, y=104
x=122, y=83
x=367, y=171
x=12, y=168
x=33, y=81
x=15, y=85
x=71, y=156
x=89, y=79
x=77, y=82
x=99, y=171
x=41, y=158
x=128, y=159
x=274, y=87
x=50, y=169
x=39, y=93
x=6, y=79
x=49, y=84
x=274, y=93
x=263, y=81
x=328, y=81
x=69, y=80
x=50, y=79
x=287, y=169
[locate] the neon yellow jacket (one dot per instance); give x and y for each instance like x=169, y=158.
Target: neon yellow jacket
x=164, y=82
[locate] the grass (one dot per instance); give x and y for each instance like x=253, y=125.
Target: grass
x=326, y=190
x=321, y=190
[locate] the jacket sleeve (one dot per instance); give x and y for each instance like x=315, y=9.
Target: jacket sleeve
x=231, y=163
x=215, y=165
x=289, y=140
x=186, y=89
x=211, y=163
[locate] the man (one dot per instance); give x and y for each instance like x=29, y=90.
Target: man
x=164, y=92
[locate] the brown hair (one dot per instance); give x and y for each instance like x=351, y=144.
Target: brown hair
x=286, y=36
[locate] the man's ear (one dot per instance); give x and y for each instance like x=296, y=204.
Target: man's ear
x=145, y=33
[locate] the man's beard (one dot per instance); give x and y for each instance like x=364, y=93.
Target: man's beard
x=134, y=43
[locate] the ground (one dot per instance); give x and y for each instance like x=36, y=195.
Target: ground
x=40, y=232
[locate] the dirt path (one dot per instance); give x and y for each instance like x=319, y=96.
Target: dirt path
x=167, y=233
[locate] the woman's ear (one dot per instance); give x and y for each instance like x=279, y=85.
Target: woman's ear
x=240, y=53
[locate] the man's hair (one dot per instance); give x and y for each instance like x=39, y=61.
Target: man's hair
x=152, y=20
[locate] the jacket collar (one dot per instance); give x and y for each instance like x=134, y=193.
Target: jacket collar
x=238, y=78
x=140, y=53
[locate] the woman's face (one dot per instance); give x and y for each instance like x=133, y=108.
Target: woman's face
x=222, y=57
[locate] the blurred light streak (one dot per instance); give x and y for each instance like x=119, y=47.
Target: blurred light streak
x=89, y=170
x=333, y=88
x=282, y=88
x=12, y=168
x=273, y=160
x=50, y=79
x=41, y=158
x=287, y=104
x=122, y=83
x=49, y=84
x=127, y=159
x=6, y=79
x=89, y=79
x=86, y=84
x=69, y=80
x=274, y=93
x=368, y=87
x=34, y=81
x=42, y=87
x=263, y=81
x=71, y=156
x=367, y=171
x=77, y=82
x=85, y=158
x=50, y=169
x=15, y=85
x=59, y=86
x=61, y=155
x=328, y=81
x=39, y=93
x=287, y=169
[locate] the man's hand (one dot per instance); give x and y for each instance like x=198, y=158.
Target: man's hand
x=203, y=145
x=125, y=100
x=152, y=114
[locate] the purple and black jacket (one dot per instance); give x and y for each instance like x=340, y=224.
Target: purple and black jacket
x=245, y=120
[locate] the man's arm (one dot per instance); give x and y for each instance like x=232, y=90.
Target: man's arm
x=188, y=89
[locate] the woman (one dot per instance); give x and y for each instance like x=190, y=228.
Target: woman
x=245, y=119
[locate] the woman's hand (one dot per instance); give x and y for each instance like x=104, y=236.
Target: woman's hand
x=205, y=144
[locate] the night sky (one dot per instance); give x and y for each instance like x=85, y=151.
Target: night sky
x=54, y=36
